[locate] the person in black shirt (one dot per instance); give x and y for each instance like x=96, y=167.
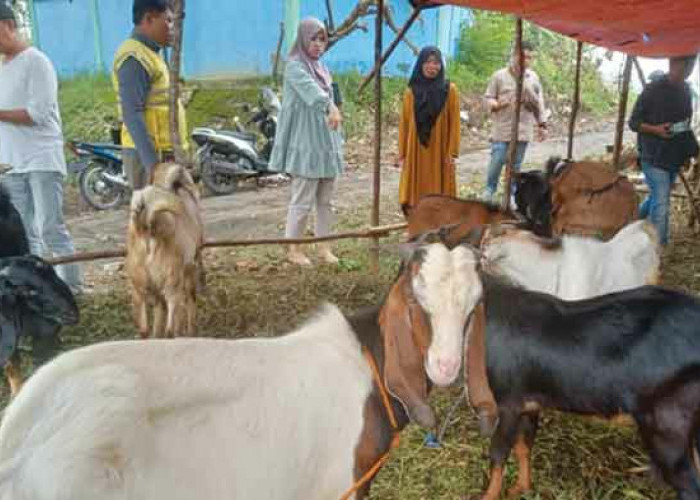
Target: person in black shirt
x=661, y=118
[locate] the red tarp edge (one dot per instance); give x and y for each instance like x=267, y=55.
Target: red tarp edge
x=648, y=28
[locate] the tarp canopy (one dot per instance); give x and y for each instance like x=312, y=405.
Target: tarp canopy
x=649, y=28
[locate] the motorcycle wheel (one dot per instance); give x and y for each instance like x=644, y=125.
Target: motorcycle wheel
x=97, y=192
x=216, y=182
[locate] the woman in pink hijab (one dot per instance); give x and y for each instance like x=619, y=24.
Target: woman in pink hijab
x=308, y=144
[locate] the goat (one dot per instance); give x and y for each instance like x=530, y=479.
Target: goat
x=164, y=244
x=19, y=319
x=574, y=267
x=587, y=198
x=570, y=268
x=633, y=352
x=14, y=237
x=298, y=416
x=35, y=301
x=434, y=211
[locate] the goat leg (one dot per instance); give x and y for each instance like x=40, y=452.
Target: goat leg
x=140, y=310
x=192, y=316
x=160, y=316
x=523, y=450
x=13, y=373
x=493, y=492
x=501, y=444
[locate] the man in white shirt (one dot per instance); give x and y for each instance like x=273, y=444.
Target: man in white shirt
x=500, y=101
x=31, y=143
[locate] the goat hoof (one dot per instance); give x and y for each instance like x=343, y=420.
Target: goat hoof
x=517, y=492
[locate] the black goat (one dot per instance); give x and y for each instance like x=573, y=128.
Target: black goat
x=34, y=301
x=14, y=237
x=635, y=352
x=533, y=200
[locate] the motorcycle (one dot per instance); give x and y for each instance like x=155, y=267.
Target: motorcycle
x=225, y=157
x=100, y=172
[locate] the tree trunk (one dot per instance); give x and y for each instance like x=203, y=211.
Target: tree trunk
x=178, y=7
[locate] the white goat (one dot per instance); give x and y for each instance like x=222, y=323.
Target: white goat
x=578, y=267
x=298, y=416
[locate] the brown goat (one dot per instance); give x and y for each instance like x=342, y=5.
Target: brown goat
x=164, y=264
x=434, y=211
x=460, y=219
x=591, y=198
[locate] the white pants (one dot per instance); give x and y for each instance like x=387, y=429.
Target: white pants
x=38, y=197
x=307, y=193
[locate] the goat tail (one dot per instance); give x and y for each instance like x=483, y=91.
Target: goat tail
x=178, y=177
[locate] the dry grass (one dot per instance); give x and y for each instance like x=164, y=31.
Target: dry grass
x=252, y=292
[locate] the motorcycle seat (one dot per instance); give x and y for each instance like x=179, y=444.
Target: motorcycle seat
x=246, y=136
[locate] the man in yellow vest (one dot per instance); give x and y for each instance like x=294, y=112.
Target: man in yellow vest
x=142, y=80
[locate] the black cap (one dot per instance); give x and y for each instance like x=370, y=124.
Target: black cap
x=6, y=13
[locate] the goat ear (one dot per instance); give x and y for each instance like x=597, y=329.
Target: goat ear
x=404, y=372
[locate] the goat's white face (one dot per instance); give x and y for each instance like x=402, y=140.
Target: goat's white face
x=447, y=287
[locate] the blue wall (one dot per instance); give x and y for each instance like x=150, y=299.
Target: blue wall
x=230, y=38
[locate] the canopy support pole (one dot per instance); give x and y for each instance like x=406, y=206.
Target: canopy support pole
x=399, y=37
x=512, y=147
x=376, y=181
x=576, y=102
x=622, y=112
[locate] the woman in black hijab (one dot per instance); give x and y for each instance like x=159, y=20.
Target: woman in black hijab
x=428, y=131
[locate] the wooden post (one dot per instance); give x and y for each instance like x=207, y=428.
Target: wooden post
x=576, y=102
x=622, y=111
x=640, y=72
x=175, y=61
x=97, y=34
x=34, y=23
x=513, y=146
x=278, y=55
x=374, y=245
x=331, y=23
x=400, y=36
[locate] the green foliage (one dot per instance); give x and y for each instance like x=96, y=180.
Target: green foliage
x=358, y=108
x=88, y=107
x=485, y=46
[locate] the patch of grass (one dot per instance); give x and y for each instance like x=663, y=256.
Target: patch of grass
x=253, y=292
x=88, y=107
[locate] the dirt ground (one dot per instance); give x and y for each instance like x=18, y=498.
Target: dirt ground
x=254, y=212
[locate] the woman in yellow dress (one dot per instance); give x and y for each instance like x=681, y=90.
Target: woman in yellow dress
x=428, y=132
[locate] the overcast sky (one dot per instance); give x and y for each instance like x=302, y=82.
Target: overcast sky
x=612, y=69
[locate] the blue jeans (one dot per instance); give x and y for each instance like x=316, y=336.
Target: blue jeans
x=656, y=206
x=499, y=154
x=38, y=197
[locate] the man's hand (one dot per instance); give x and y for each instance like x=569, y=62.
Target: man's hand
x=399, y=163
x=500, y=104
x=541, y=133
x=663, y=130
x=16, y=116
x=334, y=117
